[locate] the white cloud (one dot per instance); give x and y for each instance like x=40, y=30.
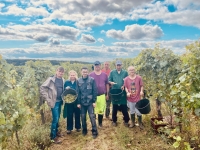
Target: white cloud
x=38, y=32
x=87, y=38
x=184, y=4
x=1, y=5
x=100, y=40
x=136, y=31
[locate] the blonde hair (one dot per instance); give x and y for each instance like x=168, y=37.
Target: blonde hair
x=131, y=67
x=72, y=71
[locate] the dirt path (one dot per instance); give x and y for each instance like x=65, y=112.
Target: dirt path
x=114, y=138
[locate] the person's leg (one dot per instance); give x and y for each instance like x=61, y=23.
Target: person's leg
x=114, y=114
x=139, y=116
x=83, y=119
x=125, y=114
x=70, y=110
x=77, y=118
x=132, y=113
x=92, y=120
x=55, y=119
x=100, y=119
x=108, y=102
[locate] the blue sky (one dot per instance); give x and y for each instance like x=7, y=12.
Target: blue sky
x=89, y=30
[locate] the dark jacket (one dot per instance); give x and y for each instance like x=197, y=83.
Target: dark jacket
x=87, y=91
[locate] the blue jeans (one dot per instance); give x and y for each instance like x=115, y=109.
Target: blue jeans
x=55, y=118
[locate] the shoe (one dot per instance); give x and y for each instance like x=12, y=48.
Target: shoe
x=56, y=140
x=58, y=134
x=78, y=130
x=69, y=131
x=100, y=126
x=94, y=136
x=84, y=133
x=114, y=124
x=126, y=124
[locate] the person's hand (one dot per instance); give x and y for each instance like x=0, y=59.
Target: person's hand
x=128, y=94
x=79, y=106
x=107, y=97
x=122, y=88
x=94, y=105
x=141, y=94
x=67, y=88
x=112, y=83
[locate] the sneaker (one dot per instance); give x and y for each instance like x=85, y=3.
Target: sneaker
x=78, y=130
x=114, y=124
x=56, y=140
x=69, y=131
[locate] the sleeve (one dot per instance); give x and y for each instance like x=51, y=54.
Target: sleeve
x=106, y=79
x=44, y=90
x=79, y=93
x=65, y=85
x=110, y=77
x=94, y=87
x=141, y=82
x=125, y=82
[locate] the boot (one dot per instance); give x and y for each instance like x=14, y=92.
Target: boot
x=100, y=119
x=140, y=122
x=132, y=121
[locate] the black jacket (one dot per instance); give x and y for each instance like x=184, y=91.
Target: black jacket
x=87, y=91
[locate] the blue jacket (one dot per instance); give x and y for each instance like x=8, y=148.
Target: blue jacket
x=69, y=83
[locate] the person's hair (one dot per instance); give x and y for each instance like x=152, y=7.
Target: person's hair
x=60, y=68
x=84, y=68
x=131, y=67
x=72, y=71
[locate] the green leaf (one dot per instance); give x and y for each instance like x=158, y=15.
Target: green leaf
x=176, y=144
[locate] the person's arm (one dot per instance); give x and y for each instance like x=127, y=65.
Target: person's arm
x=94, y=89
x=79, y=95
x=44, y=91
x=107, y=91
x=110, y=79
x=126, y=87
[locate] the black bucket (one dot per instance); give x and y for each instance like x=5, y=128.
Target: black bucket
x=70, y=91
x=116, y=94
x=143, y=106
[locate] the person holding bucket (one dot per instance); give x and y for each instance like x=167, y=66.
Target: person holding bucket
x=87, y=96
x=71, y=110
x=134, y=89
x=118, y=94
x=101, y=80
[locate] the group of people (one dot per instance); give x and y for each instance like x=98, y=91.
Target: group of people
x=93, y=97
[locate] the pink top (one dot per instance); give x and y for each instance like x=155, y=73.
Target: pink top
x=106, y=71
x=134, y=87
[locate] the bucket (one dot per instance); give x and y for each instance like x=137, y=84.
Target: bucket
x=72, y=92
x=143, y=106
x=116, y=94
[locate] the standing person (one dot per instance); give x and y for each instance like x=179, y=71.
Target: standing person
x=107, y=70
x=116, y=79
x=71, y=109
x=51, y=91
x=101, y=80
x=87, y=96
x=134, y=89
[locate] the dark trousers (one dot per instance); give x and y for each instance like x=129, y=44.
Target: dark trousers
x=123, y=108
x=108, y=102
x=73, y=112
x=90, y=110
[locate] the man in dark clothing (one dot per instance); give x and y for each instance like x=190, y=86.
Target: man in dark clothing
x=116, y=79
x=87, y=95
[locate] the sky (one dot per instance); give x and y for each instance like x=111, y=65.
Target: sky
x=89, y=30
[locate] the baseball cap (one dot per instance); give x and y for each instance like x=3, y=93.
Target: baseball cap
x=97, y=63
x=118, y=62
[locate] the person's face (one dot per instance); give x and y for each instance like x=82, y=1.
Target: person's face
x=59, y=73
x=84, y=73
x=106, y=65
x=131, y=71
x=72, y=76
x=97, y=67
x=118, y=67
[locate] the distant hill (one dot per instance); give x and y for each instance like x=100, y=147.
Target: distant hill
x=21, y=62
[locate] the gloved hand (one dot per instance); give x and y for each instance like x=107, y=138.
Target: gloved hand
x=67, y=88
